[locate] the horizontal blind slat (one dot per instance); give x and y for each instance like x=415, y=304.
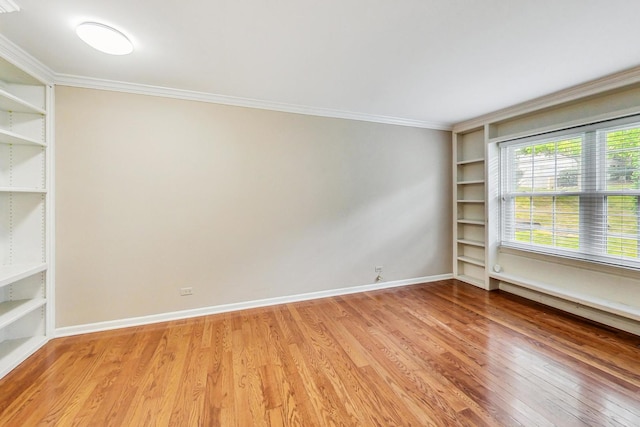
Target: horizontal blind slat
x=575, y=192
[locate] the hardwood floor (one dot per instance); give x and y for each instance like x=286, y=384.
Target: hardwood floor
x=437, y=354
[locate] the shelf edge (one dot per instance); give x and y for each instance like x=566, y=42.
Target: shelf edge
x=12, y=273
x=21, y=310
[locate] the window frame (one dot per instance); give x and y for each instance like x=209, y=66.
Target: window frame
x=592, y=195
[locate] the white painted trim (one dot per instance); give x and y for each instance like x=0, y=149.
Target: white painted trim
x=142, y=89
x=205, y=311
x=27, y=63
x=32, y=66
x=594, y=87
x=37, y=69
x=50, y=239
x=600, y=304
x=574, y=307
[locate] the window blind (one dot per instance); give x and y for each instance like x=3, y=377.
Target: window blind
x=575, y=193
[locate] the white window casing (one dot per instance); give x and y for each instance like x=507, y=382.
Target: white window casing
x=574, y=193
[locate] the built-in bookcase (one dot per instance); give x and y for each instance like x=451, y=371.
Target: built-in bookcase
x=567, y=283
x=470, y=207
x=25, y=200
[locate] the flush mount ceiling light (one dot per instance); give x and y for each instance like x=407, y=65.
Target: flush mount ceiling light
x=104, y=38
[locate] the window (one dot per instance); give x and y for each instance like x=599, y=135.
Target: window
x=575, y=193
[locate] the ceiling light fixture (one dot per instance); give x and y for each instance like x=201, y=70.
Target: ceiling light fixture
x=104, y=38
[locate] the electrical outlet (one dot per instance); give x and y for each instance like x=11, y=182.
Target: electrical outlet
x=186, y=291
x=379, y=269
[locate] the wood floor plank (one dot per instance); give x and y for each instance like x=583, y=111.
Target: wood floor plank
x=123, y=387
x=565, y=341
x=441, y=354
x=337, y=367
x=314, y=363
x=296, y=407
x=369, y=397
x=522, y=327
x=466, y=390
x=545, y=401
x=188, y=401
x=464, y=353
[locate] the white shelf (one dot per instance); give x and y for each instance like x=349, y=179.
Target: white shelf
x=470, y=221
x=471, y=182
x=22, y=190
x=10, y=311
x=470, y=260
x=10, y=73
x=15, y=351
x=8, y=137
x=26, y=312
x=470, y=161
x=12, y=273
x=9, y=102
x=471, y=280
x=471, y=242
x=469, y=191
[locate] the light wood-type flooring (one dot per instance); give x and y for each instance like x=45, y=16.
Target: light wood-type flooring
x=440, y=354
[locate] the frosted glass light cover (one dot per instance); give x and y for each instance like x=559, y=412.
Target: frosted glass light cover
x=104, y=38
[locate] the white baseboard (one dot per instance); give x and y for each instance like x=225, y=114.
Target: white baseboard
x=205, y=311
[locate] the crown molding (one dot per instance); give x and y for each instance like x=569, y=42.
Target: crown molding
x=142, y=89
x=17, y=56
x=593, y=87
x=21, y=59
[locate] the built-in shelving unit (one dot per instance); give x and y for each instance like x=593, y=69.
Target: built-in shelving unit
x=469, y=207
x=25, y=206
x=479, y=258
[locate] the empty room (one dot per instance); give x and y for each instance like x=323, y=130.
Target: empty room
x=336, y=213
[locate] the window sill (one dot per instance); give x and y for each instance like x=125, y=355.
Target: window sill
x=574, y=262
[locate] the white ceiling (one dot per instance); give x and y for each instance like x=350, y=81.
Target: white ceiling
x=436, y=62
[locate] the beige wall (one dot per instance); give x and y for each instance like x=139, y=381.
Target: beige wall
x=155, y=194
